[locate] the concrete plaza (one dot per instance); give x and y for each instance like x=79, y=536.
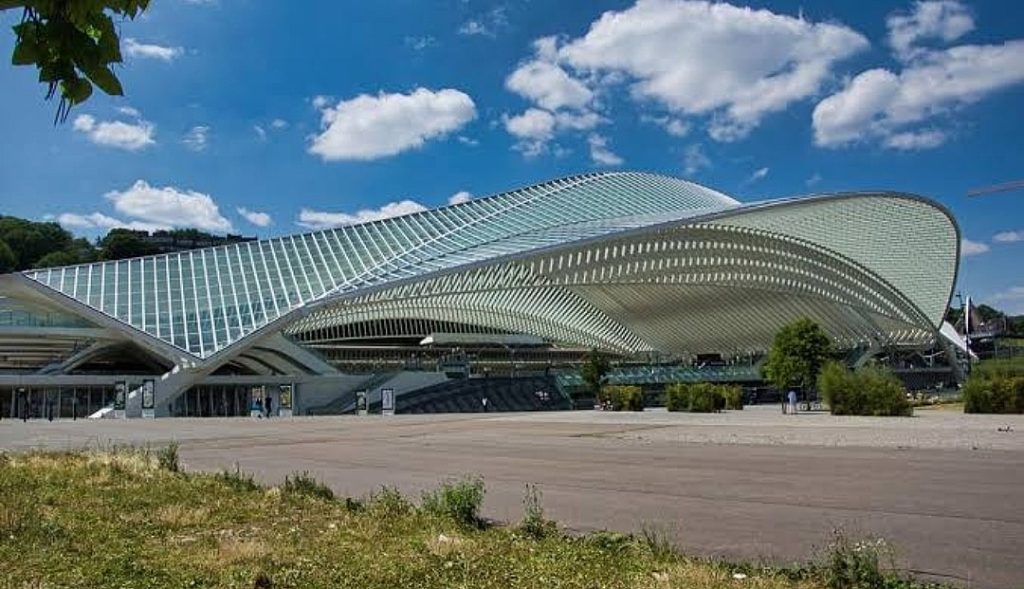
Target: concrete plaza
x=944, y=488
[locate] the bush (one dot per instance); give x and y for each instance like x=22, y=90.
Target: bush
x=303, y=483
x=236, y=480
x=702, y=397
x=389, y=503
x=989, y=393
x=868, y=391
x=855, y=565
x=458, y=500
x=622, y=398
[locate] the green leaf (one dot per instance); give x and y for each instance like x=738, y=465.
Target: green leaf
x=25, y=53
x=77, y=90
x=105, y=80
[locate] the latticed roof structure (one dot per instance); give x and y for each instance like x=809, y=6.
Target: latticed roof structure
x=627, y=262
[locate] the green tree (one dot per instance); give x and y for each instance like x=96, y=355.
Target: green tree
x=31, y=241
x=595, y=366
x=124, y=243
x=798, y=352
x=72, y=43
x=8, y=261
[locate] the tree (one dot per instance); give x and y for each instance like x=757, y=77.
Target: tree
x=73, y=44
x=798, y=352
x=30, y=241
x=124, y=243
x=8, y=260
x=595, y=366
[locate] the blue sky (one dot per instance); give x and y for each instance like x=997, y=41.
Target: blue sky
x=263, y=118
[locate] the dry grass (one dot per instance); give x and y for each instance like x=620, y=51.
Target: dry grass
x=182, y=516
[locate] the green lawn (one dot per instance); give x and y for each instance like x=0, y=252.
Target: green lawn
x=120, y=519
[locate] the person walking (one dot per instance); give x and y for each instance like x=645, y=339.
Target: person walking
x=484, y=403
x=268, y=401
x=791, y=397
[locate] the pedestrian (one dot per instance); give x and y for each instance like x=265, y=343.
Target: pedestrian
x=484, y=403
x=792, y=402
x=267, y=405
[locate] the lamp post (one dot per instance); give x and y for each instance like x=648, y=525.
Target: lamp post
x=966, y=317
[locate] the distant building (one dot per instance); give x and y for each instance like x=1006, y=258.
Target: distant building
x=167, y=242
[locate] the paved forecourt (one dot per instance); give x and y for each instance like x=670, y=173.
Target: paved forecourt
x=942, y=487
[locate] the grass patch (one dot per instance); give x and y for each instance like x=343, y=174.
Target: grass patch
x=119, y=519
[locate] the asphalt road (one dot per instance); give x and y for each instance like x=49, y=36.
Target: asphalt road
x=952, y=514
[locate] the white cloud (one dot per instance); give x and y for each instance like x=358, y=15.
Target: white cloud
x=129, y=111
x=105, y=222
x=880, y=104
x=169, y=206
x=133, y=48
x=814, y=180
x=600, y=153
x=546, y=83
x=712, y=58
x=279, y=124
x=673, y=126
x=946, y=20
x=1011, y=300
x=972, y=248
x=260, y=132
x=468, y=141
x=1008, y=236
x=256, y=218
x=694, y=159
x=914, y=140
x=486, y=25
x=577, y=122
x=197, y=138
x=420, y=43
x=534, y=128
x=128, y=136
x=759, y=174
x=371, y=127
x=324, y=220
x=460, y=197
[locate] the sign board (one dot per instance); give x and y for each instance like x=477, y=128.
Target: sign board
x=148, y=398
x=361, y=402
x=256, y=402
x=387, y=401
x=120, y=394
x=285, y=399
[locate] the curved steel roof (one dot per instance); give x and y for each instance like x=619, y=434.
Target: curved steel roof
x=622, y=260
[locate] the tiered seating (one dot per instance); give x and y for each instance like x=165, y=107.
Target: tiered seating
x=503, y=394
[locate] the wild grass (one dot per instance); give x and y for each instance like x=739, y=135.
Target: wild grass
x=117, y=518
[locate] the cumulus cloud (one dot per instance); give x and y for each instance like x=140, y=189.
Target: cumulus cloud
x=946, y=20
x=546, y=83
x=197, y=138
x=712, y=58
x=694, y=159
x=133, y=48
x=105, y=222
x=600, y=153
x=256, y=218
x=901, y=109
x=169, y=206
x=1008, y=236
x=460, y=197
x=119, y=134
x=371, y=127
x=534, y=128
x=972, y=248
x=325, y=220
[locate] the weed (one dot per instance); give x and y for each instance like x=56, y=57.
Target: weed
x=534, y=525
x=612, y=542
x=237, y=481
x=658, y=541
x=459, y=500
x=303, y=483
x=389, y=503
x=167, y=457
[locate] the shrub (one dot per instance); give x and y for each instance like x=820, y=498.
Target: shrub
x=303, y=483
x=989, y=393
x=868, y=391
x=622, y=398
x=733, y=395
x=167, y=457
x=458, y=500
x=858, y=564
x=677, y=397
x=389, y=503
x=705, y=398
